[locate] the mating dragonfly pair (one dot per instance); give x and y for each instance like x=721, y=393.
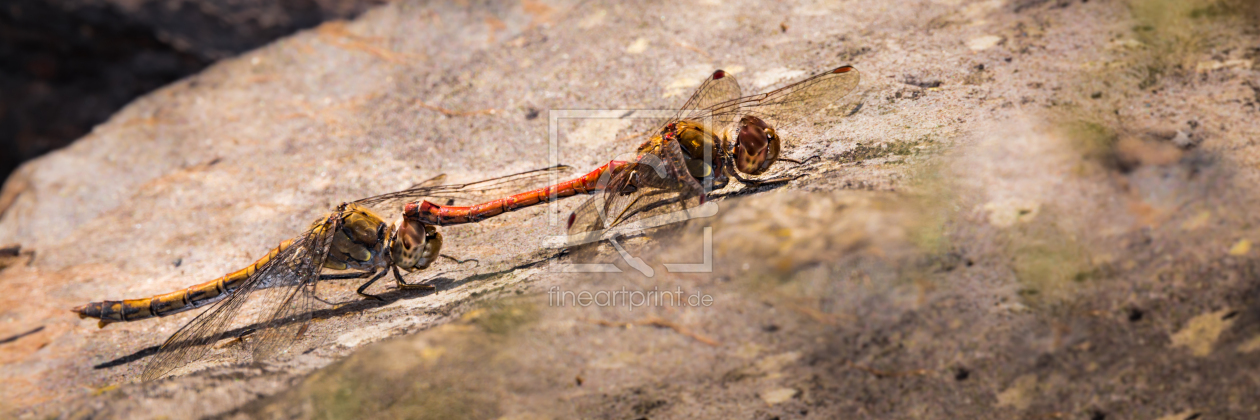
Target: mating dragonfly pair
x=686, y=157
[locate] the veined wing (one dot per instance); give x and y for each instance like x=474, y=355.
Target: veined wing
x=790, y=103
x=431, y=182
x=294, y=301
x=466, y=192
x=655, y=184
x=721, y=87
x=275, y=300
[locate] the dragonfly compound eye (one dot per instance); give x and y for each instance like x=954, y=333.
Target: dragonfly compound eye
x=407, y=243
x=772, y=149
x=415, y=244
x=756, y=146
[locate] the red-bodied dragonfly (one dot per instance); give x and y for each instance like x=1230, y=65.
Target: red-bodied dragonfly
x=689, y=155
x=275, y=296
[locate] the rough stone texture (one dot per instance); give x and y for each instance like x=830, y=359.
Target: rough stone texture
x=1026, y=210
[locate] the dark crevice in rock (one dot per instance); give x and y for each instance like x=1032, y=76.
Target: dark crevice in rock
x=67, y=65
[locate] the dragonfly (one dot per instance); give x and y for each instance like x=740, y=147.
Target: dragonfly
x=691, y=154
x=272, y=299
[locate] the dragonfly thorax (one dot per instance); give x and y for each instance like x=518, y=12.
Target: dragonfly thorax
x=360, y=240
x=701, y=146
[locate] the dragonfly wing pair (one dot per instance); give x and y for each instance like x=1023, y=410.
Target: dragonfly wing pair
x=718, y=98
x=659, y=183
x=276, y=300
x=465, y=192
x=705, y=105
x=792, y=103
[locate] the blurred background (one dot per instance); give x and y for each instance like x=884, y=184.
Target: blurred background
x=67, y=65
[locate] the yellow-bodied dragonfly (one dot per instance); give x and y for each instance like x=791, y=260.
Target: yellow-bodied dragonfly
x=280, y=288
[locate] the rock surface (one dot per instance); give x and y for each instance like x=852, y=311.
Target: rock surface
x=1027, y=209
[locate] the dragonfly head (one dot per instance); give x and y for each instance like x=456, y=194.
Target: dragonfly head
x=414, y=245
x=756, y=146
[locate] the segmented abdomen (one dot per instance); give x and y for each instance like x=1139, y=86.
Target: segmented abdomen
x=174, y=302
x=433, y=214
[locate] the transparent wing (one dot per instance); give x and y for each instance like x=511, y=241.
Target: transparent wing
x=720, y=87
x=431, y=182
x=656, y=184
x=291, y=298
x=718, y=98
x=274, y=299
x=465, y=192
x=791, y=103
x=641, y=190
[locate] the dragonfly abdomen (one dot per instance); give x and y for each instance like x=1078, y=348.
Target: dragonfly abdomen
x=110, y=311
x=434, y=214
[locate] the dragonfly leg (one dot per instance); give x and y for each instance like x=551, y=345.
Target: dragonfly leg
x=338, y=276
x=369, y=283
x=760, y=182
x=406, y=286
x=345, y=276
